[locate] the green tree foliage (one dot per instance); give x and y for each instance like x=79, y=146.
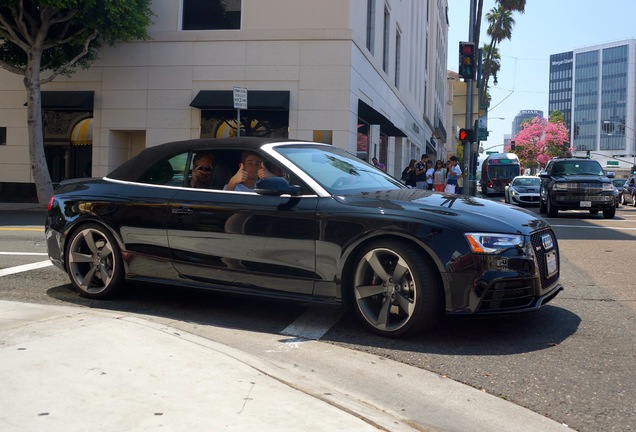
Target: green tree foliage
x=42, y=39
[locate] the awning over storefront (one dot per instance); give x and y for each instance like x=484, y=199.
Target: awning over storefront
x=83, y=133
x=68, y=100
x=256, y=100
x=371, y=116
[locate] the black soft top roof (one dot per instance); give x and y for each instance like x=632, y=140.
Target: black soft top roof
x=134, y=167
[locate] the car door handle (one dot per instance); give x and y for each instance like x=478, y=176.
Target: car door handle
x=182, y=211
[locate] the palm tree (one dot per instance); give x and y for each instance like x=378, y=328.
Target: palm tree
x=500, y=27
x=490, y=67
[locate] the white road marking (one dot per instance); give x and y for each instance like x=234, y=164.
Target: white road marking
x=314, y=323
x=26, y=267
x=24, y=253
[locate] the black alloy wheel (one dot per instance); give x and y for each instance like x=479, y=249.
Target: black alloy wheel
x=396, y=289
x=93, y=261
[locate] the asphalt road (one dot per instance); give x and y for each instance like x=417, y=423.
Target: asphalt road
x=573, y=361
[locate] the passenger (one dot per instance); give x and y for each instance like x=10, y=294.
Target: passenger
x=207, y=172
x=269, y=169
x=247, y=174
x=202, y=165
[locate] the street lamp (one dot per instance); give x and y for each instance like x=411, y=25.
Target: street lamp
x=610, y=122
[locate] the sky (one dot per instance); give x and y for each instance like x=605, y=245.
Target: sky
x=547, y=27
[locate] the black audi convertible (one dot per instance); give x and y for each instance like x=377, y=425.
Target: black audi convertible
x=321, y=225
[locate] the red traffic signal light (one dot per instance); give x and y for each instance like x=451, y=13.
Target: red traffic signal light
x=467, y=135
x=467, y=66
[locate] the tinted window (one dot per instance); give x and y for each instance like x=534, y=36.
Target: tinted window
x=169, y=172
x=211, y=15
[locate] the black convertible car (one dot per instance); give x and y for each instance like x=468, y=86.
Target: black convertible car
x=327, y=227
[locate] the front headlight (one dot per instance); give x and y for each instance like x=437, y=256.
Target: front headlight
x=608, y=187
x=560, y=186
x=490, y=243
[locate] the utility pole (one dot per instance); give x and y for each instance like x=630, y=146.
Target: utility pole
x=468, y=159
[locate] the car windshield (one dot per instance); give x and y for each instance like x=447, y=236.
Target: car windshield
x=337, y=171
x=531, y=181
x=578, y=167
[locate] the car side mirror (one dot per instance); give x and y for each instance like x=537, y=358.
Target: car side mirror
x=276, y=186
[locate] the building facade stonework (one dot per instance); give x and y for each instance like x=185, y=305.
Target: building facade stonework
x=368, y=76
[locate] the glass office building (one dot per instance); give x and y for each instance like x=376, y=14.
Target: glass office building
x=595, y=89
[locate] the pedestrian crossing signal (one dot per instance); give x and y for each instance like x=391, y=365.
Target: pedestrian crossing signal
x=467, y=135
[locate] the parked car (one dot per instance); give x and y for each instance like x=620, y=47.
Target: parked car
x=523, y=190
x=628, y=194
x=576, y=184
x=333, y=228
x=618, y=190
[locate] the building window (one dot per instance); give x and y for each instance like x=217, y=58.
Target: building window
x=385, y=41
x=211, y=15
x=398, y=49
x=3, y=136
x=370, y=24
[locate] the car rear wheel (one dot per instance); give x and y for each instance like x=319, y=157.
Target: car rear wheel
x=94, y=262
x=396, y=291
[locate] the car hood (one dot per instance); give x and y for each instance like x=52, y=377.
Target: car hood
x=526, y=189
x=464, y=213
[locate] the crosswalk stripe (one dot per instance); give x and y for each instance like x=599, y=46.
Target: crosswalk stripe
x=26, y=267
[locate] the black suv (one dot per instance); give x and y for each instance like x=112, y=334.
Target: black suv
x=576, y=184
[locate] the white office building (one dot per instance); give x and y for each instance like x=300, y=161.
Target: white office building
x=368, y=76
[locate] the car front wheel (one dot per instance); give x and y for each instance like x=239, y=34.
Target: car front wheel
x=396, y=291
x=623, y=199
x=634, y=200
x=94, y=262
x=609, y=213
x=551, y=209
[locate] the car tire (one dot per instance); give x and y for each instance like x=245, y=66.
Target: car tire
x=551, y=210
x=395, y=289
x=542, y=206
x=634, y=200
x=93, y=262
x=623, y=199
x=609, y=213
x=506, y=200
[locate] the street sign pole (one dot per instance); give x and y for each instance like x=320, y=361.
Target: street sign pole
x=240, y=102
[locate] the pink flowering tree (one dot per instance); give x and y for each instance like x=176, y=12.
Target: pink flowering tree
x=540, y=140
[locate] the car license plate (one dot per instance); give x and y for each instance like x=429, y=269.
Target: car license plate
x=551, y=263
x=586, y=203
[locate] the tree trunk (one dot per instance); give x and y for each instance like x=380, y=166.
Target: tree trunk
x=39, y=168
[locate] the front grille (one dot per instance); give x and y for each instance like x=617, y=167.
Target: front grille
x=589, y=188
x=508, y=295
x=576, y=198
x=540, y=252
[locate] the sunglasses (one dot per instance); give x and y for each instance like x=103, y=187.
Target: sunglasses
x=204, y=168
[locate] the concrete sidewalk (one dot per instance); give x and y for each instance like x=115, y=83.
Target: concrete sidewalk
x=76, y=369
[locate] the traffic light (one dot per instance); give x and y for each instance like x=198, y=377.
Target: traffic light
x=587, y=154
x=467, y=62
x=633, y=169
x=512, y=146
x=467, y=135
